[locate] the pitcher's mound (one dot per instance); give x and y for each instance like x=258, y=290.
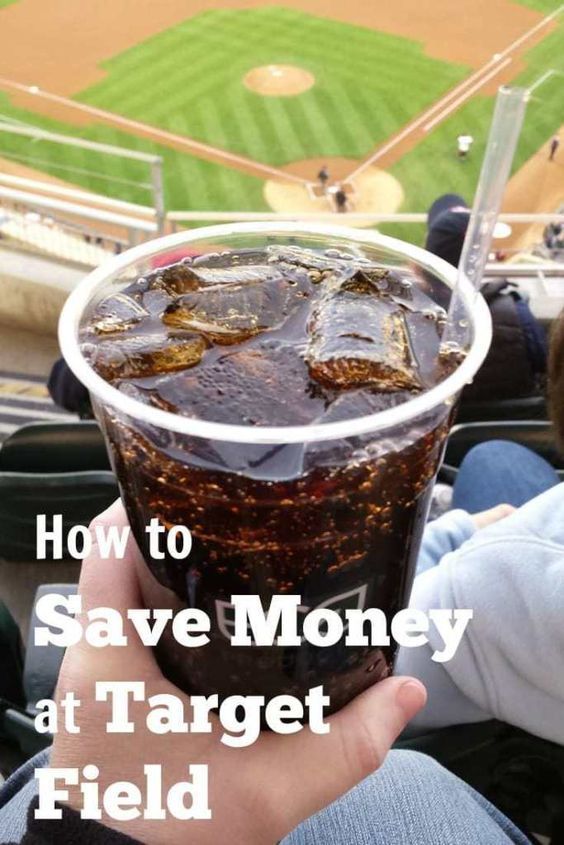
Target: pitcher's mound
x=374, y=191
x=278, y=80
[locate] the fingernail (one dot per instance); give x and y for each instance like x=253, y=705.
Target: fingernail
x=411, y=697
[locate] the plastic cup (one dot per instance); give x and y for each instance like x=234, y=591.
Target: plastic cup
x=331, y=512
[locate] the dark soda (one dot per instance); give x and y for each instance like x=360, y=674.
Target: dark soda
x=275, y=337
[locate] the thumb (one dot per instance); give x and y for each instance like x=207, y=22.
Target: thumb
x=360, y=736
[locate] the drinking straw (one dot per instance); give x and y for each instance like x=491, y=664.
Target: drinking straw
x=504, y=132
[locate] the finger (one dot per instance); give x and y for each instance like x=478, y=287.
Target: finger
x=360, y=737
x=492, y=515
x=111, y=582
x=505, y=510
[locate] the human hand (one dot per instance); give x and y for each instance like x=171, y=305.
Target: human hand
x=488, y=517
x=257, y=794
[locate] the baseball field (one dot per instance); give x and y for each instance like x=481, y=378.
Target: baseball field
x=247, y=101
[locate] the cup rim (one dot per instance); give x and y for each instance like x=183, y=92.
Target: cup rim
x=108, y=395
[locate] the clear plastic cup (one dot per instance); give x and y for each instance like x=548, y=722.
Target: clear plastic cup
x=331, y=512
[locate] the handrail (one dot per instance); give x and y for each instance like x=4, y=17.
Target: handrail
x=85, y=208
x=251, y=216
x=35, y=201
x=72, y=193
x=525, y=270
x=348, y=217
x=71, y=141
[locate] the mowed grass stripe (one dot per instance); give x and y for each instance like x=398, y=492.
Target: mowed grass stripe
x=349, y=123
x=264, y=134
x=288, y=133
x=325, y=126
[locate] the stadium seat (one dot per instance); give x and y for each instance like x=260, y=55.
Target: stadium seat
x=42, y=664
x=32, y=679
x=534, y=434
x=58, y=447
x=78, y=496
x=11, y=659
x=51, y=468
x=530, y=408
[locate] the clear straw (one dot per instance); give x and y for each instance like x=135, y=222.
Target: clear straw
x=504, y=132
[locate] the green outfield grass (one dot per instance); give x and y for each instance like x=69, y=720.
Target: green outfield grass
x=188, y=79
x=546, y=6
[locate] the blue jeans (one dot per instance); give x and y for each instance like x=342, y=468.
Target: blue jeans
x=500, y=472
x=411, y=800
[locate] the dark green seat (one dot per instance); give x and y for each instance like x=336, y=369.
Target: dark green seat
x=529, y=408
x=11, y=659
x=75, y=446
x=78, y=496
x=24, y=682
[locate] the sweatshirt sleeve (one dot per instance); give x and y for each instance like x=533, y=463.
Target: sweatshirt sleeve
x=69, y=830
x=444, y=535
x=509, y=661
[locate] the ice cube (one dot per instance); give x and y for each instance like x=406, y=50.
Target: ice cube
x=230, y=258
x=156, y=300
x=352, y=404
x=264, y=384
x=311, y=259
x=373, y=281
x=144, y=355
x=360, y=339
x=118, y=313
x=179, y=279
x=228, y=314
x=175, y=279
x=235, y=275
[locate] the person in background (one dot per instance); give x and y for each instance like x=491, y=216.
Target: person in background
x=464, y=142
x=341, y=200
x=323, y=178
x=68, y=392
x=515, y=366
x=553, y=236
x=500, y=551
x=554, y=144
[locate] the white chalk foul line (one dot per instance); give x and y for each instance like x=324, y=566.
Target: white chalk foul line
x=189, y=143
x=440, y=104
x=421, y=119
x=543, y=78
x=458, y=102
x=526, y=35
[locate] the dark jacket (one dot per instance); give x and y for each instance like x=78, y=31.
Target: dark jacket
x=516, y=362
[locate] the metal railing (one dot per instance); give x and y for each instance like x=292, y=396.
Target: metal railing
x=350, y=217
x=64, y=222
x=154, y=162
